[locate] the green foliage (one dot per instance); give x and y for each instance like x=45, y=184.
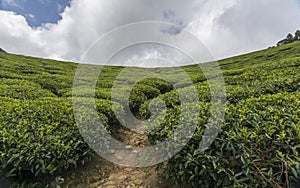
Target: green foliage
x=258, y=145
x=259, y=142
x=149, y=91
x=99, y=93
x=290, y=38
x=22, y=89
x=53, y=82
x=136, y=99
x=39, y=137
x=105, y=107
x=159, y=84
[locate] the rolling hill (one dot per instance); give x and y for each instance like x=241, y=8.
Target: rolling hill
x=258, y=146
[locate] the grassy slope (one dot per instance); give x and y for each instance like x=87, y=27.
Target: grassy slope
x=253, y=76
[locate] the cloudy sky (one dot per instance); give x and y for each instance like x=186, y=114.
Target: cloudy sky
x=65, y=29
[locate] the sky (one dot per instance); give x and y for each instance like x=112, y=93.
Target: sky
x=65, y=29
x=36, y=12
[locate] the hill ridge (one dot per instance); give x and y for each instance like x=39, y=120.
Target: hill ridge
x=1, y=50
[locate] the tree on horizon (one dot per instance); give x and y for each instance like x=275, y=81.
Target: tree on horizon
x=290, y=38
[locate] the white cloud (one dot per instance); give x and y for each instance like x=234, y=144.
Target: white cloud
x=256, y=24
x=60, y=8
x=17, y=37
x=31, y=16
x=227, y=27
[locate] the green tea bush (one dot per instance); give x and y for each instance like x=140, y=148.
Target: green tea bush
x=139, y=94
x=149, y=91
x=54, y=83
x=99, y=93
x=161, y=85
x=8, y=74
x=198, y=78
x=233, y=72
x=136, y=99
x=258, y=146
x=41, y=137
x=105, y=107
x=105, y=83
x=22, y=89
x=171, y=99
x=160, y=130
x=257, y=88
x=183, y=83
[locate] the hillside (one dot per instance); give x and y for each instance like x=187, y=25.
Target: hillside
x=258, y=147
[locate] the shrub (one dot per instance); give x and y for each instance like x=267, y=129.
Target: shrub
x=137, y=96
x=136, y=99
x=22, y=89
x=161, y=85
x=40, y=137
x=259, y=146
x=105, y=107
x=183, y=83
x=100, y=93
x=149, y=91
x=53, y=82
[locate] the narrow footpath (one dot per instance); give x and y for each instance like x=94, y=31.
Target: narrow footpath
x=101, y=173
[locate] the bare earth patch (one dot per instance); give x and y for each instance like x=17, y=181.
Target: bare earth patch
x=101, y=173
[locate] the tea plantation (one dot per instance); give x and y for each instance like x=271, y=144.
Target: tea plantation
x=259, y=145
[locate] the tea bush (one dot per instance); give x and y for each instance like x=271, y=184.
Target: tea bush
x=149, y=91
x=53, y=82
x=22, y=89
x=100, y=93
x=258, y=146
x=41, y=137
x=161, y=85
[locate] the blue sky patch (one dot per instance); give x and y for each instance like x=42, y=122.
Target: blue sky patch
x=36, y=12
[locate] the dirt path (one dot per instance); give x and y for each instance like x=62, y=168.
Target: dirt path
x=123, y=177
x=101, y=173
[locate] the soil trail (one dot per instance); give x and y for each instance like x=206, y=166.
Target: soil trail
x=123, y=177
x=101, y=173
